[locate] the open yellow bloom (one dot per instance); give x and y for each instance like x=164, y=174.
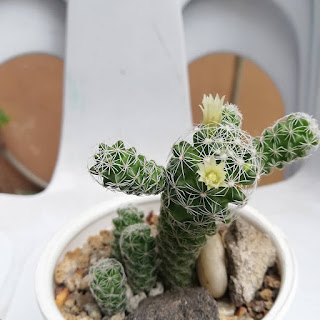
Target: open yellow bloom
x=211, y=174
x=212, y=109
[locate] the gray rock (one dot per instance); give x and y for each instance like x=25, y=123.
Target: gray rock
x=185, y=304
x=250, y=252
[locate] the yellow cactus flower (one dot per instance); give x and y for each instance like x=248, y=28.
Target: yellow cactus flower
x=211, y=174
x=212, y=109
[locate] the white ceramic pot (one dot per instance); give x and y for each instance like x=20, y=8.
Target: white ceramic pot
x=100, y=217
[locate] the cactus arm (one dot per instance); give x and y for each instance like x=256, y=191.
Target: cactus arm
x=289, y=139
x=123, y=169
x=126, y=217
x=138, y=250
x=108, y=286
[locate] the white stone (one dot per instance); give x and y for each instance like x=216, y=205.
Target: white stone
x=118, y=316
x=133, y=302
x=226, y=308
x=159, y=289
x=211, y=267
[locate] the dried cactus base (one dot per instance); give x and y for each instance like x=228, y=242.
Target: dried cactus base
x=75, y=301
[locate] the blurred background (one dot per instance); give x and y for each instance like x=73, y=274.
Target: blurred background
x=31, y=89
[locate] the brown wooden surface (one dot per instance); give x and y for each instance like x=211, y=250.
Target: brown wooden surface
x=31, y=93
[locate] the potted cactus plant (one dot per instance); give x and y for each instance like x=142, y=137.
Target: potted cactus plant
x=211, y=173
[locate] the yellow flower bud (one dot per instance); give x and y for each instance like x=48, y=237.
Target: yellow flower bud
x=212, y=109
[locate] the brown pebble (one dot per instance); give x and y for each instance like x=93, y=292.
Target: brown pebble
x=95, y=242
x=268, y=304
x=62, y=297
x=106, y=237
x=241, y=311
x=272, y=282
x=152, y=219
x=58, y=289
x=70, y=302
x=257, y=306
x=149, y=217
x=80, y=271
x=266, y=294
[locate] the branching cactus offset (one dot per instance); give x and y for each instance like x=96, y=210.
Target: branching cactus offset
x=138, y=249
x=126, y=217
x=120, y=168
x=289, y=139
x=108, y=286
x=211, y=172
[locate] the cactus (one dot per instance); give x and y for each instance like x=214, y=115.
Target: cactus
x=289, y=139
x=204, y=178
x=138, y=249
x=126, y=217
x=210, y=173
x=118, y=168
x=108, y=286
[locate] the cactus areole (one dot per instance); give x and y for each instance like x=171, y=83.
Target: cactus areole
x=211, y=172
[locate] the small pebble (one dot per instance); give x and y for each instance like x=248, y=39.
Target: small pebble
x=226, y=308
x=95, y=242
x=99, y=254
x=272, y=282
x=241, y=311
x=93, y=310
x=118, y=316
x=70, y=302
x=257, y=306
x=266, y=294
x=159, y=289
x=82, y=299
x=133, y=303
x=62, y=297
x=73, y=282
x=85, y=282
x=268, y=304
x=106, y=237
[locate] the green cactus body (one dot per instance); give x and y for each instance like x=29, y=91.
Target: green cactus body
x=138, y=249
x=126, y=217
x=289, y=139
x=190, y=209
x=120, y=168
x=108, y=286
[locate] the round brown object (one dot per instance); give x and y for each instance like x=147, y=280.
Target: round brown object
x=31, y=94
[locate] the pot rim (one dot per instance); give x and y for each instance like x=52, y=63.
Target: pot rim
x=44, y=281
